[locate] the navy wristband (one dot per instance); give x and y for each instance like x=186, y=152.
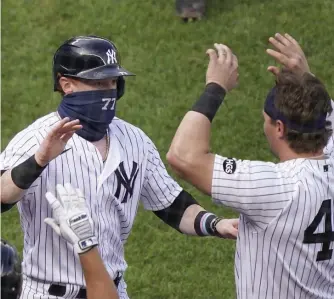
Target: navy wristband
x=24, y=174
x=210, y=100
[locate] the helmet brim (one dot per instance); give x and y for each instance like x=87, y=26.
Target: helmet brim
x=103, y=72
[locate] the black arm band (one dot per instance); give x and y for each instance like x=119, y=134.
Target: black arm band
x=24, y=174
x=210, y=100
x=174, y=213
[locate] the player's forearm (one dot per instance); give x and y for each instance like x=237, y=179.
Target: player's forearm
x=98, y=282
x=188, y=219
x=187, y=216
x=10, y=193
x=15, y=181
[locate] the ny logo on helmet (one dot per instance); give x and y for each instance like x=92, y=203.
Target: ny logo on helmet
x=111, y=54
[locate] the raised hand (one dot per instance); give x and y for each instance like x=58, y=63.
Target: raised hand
x=222, y=68
x=55, y=142
x=288, y=53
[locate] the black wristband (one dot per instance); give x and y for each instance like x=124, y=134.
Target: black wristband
x=24, y=174
x=203, y=224
x=210, y=100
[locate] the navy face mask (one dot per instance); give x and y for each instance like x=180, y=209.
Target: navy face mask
x=95, y=109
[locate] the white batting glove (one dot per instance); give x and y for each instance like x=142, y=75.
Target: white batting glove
x=71, y=219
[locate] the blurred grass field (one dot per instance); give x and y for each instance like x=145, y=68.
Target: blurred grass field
x=169, y=60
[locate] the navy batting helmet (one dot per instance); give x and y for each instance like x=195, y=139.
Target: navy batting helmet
x=11, y=277
x=90, y=58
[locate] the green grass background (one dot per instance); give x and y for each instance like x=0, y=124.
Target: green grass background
x=169, y=60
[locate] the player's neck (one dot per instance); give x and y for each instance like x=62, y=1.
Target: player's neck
x=289, y=154
x=103, y=146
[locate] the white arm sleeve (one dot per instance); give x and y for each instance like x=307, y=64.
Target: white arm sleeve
x=255, y=189
x=160, y=189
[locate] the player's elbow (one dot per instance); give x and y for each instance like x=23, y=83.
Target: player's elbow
x=4, y=192
x=10, y=193
x=180, y=163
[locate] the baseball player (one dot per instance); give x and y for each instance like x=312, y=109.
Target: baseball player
x=115, y=165
x=285, y=240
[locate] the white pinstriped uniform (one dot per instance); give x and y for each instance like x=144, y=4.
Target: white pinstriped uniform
x=132, y=159
x=278, y=202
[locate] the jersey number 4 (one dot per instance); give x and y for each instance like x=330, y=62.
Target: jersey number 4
x=326, y=237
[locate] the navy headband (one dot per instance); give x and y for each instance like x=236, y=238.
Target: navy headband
x=275, y=114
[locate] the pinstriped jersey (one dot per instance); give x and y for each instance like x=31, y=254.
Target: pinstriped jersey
x=285, y=241
x=286, y=230
x=132, y=173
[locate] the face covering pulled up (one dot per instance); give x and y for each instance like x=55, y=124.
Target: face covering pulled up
x=95, y=109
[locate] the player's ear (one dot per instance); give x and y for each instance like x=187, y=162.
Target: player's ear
x=66, y=85
x=280, y=129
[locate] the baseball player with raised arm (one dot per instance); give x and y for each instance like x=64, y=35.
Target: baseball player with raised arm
x=115, y=164
x=285, y=240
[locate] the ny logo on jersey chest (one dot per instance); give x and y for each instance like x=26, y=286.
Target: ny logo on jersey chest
x=125, y=181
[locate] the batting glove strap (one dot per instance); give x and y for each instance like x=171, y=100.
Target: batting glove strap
x=82, y=227
x=85, y=245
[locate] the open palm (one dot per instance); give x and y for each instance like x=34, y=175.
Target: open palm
x=55, y=142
